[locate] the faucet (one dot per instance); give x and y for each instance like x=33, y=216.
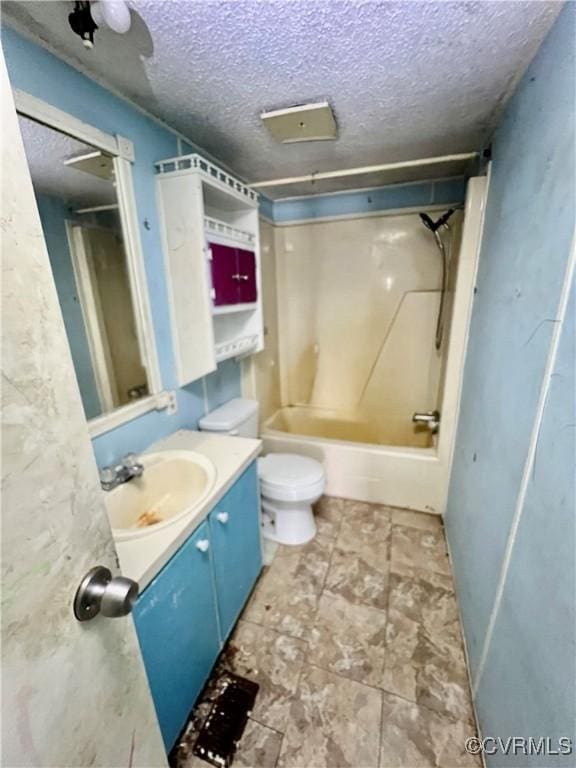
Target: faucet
x=430, y=418
x=128, y=468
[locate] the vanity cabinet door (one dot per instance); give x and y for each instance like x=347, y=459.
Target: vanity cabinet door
x=237, y=555
x=177, y=627
x=224, y=268
x=247, y=276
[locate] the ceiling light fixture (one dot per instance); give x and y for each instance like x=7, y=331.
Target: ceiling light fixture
x=112, y=13
x=82, y=23
x=87, y=17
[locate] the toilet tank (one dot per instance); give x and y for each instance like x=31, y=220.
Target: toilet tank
x=236, y=417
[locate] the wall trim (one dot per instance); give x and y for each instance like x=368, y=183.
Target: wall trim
x=120, y=416
x=528, y=465
x=336, y=193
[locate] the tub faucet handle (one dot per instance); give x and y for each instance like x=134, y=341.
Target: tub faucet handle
x=430, y=418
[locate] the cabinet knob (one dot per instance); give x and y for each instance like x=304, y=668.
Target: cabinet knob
x=203, y=545
x=223, y=517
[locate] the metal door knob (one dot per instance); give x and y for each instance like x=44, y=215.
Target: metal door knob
x=100, y=593
x=223, y=517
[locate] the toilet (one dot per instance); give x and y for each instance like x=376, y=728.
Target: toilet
x=289, y=483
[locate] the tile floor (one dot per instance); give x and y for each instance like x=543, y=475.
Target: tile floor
x=355, y=642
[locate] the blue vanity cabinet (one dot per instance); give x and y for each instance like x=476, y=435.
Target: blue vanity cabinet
x=177, y=626
x=236, y=547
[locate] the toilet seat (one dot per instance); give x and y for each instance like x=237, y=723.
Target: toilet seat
x=288, y=477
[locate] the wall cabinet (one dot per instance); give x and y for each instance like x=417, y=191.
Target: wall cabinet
x=210, y=236
x=187, y=612
x=233, y=273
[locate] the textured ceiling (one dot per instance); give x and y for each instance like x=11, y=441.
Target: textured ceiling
x=46, y=151
x=406, y=79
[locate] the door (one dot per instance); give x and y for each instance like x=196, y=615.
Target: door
x=247, y=275
x=103, y=282
x=237, y=555
x=178, y=631
x=72, y=694
x=224, y=274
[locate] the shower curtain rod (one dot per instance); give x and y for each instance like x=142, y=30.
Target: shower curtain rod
x=365, y=169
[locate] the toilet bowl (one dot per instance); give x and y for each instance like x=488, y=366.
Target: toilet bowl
x=289, y=484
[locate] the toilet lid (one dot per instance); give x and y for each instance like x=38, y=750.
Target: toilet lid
x=287, y=469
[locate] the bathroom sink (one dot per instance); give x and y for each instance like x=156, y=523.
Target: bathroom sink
x=173, y=485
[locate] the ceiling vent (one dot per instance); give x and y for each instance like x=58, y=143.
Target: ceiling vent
x=308, y=122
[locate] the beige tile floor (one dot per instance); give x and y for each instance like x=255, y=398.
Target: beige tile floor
x=355, y=642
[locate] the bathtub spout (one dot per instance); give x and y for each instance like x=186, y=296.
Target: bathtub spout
x=430, y=418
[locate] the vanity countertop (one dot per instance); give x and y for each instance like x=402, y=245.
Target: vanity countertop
x=143, y=558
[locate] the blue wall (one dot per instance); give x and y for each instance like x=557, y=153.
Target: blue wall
x=41, y=74
x=53, y=214
x=395, y=196
x=526, y=685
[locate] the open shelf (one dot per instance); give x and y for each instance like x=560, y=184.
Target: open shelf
x=217, y=228
x=236, y=347
x=229, y=309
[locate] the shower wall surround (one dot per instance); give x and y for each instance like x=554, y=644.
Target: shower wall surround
x=36, y=71
x=358, y=302
x=510, y=518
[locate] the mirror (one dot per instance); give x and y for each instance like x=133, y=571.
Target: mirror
x=74, y=184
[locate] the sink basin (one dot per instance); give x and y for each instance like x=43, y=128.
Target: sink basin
x=173, y=485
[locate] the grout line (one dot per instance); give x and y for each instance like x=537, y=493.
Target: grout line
x=264, y=725
x=279, y=751
x=528, y=465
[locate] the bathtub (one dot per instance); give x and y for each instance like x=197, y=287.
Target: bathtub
x=399, y=467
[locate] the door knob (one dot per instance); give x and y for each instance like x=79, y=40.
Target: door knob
x=100, y=593
x=223, y=517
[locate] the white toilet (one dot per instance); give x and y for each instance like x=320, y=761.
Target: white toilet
x=289, y=484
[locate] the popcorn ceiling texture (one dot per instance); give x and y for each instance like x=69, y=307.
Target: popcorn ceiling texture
x=406, y=80
x=46, y=151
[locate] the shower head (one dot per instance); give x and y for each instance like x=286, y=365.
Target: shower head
x=434, y=225
x=427, y=221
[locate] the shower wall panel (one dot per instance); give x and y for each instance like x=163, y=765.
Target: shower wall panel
x=358, y=301
x=261, y=372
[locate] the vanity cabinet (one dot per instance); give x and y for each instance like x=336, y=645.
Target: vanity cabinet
x=187, y=612
x=177, y=625
x=236, y=551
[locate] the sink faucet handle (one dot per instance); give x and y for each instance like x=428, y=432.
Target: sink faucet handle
x=107, y=476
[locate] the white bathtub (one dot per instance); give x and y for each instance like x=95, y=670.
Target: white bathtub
x=400, y=476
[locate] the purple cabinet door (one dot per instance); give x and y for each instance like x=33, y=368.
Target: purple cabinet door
x=224, y=274
x=247, y=276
